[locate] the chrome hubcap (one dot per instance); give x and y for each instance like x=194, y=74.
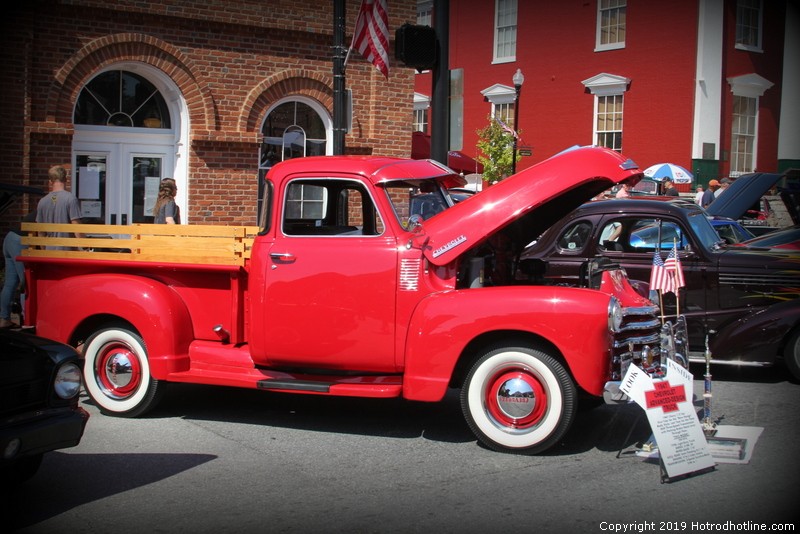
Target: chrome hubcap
x=119, y=370
x=516, y=399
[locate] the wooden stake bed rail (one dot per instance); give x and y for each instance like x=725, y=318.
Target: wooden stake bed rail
x=193, y=244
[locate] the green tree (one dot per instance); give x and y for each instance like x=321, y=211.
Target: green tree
x=497, y=150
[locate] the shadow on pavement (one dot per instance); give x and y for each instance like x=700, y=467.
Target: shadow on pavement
x=59, y=486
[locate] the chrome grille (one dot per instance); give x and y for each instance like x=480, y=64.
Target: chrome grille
x=638, y=342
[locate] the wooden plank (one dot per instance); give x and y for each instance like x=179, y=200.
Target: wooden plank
x=218, y=245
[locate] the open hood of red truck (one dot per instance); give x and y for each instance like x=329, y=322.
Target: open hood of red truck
x=526, y=204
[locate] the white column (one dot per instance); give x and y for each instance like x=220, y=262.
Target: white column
x=708, y=89
x=789, y=133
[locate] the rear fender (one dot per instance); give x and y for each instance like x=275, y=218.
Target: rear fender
x=156, y=312
x=574, y=321
x=758, y=336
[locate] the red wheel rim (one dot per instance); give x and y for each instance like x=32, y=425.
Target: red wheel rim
x=118, y=370
x=516, y=398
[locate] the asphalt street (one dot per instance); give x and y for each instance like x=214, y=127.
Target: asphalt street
x=213, y=459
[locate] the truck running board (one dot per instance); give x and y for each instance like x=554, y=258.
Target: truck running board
x=295, y=385
x=351, y=386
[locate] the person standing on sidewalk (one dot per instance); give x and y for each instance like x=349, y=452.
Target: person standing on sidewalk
x=59, y=206
x=14, y=272
x=166, y=211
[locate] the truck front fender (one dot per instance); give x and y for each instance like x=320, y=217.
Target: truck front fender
x=757, y=337
x=573, y=321
x=152, y=308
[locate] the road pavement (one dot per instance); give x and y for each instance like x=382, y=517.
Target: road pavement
x=212, y=459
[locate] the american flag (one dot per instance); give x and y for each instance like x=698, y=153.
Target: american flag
x=371, y=36
x=673, y=267
x=660, y=279
x=506, y=127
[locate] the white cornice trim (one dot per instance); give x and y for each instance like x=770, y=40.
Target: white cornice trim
x=605, y=84
x=749, y=85
x=499, y=94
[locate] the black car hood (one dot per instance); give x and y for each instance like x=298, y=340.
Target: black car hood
x=742, y=194
x=9, y=192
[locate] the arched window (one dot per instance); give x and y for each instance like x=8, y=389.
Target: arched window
x=293, y=129
x=121, y=98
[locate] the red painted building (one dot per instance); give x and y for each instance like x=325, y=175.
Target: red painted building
x=711, y=85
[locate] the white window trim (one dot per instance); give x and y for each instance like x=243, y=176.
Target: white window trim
x=758, y=47
x=421, y=103
x=504, y=59
x=751, y=86
x=499, y=94
x=605, y=84
x=425, y=13
x=87, y=135
x=610, y=46
x=323, y=113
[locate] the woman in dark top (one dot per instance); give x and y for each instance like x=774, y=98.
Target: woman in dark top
x=166, y=211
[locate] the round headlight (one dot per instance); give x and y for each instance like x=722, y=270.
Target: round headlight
x=614, y=315
x=68, y=381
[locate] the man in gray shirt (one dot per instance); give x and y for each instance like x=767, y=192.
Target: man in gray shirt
x=59, y=206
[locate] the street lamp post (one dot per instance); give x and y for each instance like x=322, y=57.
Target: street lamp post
x=518, y=80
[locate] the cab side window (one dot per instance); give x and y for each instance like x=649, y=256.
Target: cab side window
x=329, y=208
x=610, y=237
x=647, y=234
x=575, y=237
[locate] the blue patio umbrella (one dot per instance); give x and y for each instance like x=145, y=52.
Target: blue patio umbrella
x=676, y=173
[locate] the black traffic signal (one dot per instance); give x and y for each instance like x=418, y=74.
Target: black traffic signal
x=416, y=46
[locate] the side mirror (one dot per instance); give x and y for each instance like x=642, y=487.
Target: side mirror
x=414, y=223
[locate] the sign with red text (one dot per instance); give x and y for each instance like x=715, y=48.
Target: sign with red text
x=668, y=404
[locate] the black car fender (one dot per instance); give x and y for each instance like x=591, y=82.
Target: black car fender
x=758, y=337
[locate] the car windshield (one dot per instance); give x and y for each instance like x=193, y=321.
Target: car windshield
x=707, y=237
x=425, y=198
x=731, y=231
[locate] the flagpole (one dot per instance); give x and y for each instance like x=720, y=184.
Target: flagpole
x=340, y=54
x=675, y=275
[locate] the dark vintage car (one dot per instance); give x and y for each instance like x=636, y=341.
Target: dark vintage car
x=744, y=299
x=787, y=238
x=745, y=202
x=730, y=231
x=39, y=385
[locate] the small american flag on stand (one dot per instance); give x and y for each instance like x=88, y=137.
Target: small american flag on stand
x=371, y=36
x=660, y=279
x=673, y=267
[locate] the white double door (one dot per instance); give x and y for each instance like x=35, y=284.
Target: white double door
x=117, y=182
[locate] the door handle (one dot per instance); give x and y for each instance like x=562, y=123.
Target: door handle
x=283, y=257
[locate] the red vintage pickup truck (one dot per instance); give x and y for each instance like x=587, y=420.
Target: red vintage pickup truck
x=364, y=278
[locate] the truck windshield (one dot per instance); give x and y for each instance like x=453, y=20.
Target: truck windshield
x=425, y=198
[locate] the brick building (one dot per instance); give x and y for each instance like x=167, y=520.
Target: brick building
x=210, y=92
x=712, y=85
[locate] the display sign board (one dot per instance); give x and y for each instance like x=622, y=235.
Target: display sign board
x=668, y=404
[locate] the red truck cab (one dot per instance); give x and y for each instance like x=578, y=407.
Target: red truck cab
x=367, y=279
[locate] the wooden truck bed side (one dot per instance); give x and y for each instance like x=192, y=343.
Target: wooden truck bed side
x=195, y=244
